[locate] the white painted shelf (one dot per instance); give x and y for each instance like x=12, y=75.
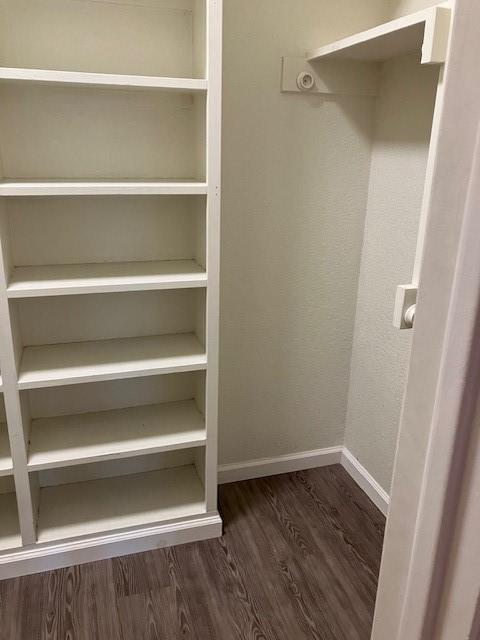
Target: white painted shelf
x=9, y=527
x=119, y=433
x=6, y=464
x=74, y=362
x=28, y=282
x=101, y=187
x=425, y=31
x=76, y=78
x=98, y=506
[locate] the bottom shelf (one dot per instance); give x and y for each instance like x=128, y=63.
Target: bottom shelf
x=9, y=527
x=100, y=506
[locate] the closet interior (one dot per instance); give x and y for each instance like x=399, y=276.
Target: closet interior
x=109, y=266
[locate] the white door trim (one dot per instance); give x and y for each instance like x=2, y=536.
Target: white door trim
x=444, y=376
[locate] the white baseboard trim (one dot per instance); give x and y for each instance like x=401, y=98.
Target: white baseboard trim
x=365, y=481
x=64, y=554
x=262, y=467
x=55, y=555
x=279, y=464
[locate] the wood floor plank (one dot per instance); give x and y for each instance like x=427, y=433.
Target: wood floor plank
x=132, y=575
x=351, y=581
x=96, y=608
x=132, y=611
x=299, y=560
x=149, y=616
x=344, y=548
x=189, y=576
x=9, y=597
x=253, y=534
x=303, y=605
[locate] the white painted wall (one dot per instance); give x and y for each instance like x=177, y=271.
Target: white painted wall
x=403, y=7
x=295, y=178
x=380, y=352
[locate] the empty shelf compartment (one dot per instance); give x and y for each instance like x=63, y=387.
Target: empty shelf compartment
x=101, y=506
x=118, y=433
x=61, y=364
x=107, y=277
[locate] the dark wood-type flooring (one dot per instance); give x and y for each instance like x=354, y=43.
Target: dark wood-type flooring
x=299, y=559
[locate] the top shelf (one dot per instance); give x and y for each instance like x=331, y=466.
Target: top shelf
x=75, y=78
x=426, y=32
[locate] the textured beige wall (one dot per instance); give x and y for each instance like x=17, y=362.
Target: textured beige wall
x=380, y=352
x=295, y=178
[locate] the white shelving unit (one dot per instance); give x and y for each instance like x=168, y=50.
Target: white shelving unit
x=109, y=278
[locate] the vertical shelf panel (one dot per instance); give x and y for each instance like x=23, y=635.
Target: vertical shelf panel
x=213, y=159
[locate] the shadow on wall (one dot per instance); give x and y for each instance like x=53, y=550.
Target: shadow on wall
x=381, y=353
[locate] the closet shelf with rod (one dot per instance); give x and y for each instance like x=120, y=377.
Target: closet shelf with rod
x=351, y=66
x=425, y=32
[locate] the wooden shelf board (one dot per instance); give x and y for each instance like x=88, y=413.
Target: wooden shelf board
x=6, y=464
x=98, y=506
x=81, y=79
x=119, y=433
x=398, y=37
x=87, y=187
x=76, y=362
x=27, y=282
x=9, y=527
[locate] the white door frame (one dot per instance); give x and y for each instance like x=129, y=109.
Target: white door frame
x=431, y=500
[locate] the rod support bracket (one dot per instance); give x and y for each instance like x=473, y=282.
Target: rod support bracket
x=329, y=77
x=405, y=299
